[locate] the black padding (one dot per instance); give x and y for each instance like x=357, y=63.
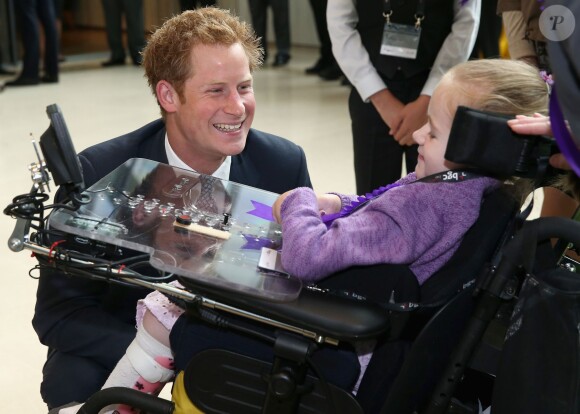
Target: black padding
x=376, y=283
x=331, y=315
x=425, y=362
x=246, y=387
x=423, y=365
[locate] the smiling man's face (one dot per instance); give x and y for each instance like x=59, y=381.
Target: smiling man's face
x=212, y=118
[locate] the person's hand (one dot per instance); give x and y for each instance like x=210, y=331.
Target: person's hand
x=412, y=117
x=531, y=125
x=278, y=205
x=328, y=204
x=388, y=106
x=538, y=125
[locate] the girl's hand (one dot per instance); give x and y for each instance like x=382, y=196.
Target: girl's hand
x=328, y=204
x=278, y=205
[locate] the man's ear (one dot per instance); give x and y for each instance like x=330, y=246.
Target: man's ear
x=167, y=96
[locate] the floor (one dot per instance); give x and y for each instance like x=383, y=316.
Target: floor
x=102, y=103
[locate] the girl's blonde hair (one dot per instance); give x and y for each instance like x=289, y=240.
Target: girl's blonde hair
x=502, y=86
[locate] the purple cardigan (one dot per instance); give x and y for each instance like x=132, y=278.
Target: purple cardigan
x=420, y=225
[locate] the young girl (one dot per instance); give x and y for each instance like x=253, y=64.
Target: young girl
x=419, y=220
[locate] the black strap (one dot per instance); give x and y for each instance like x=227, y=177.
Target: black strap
x=419, y=14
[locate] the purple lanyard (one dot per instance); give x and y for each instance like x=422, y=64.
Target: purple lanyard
x=562, y=135
x=346, y=210
x=453, y=176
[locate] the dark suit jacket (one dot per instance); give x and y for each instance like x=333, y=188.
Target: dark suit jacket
x=96, y=320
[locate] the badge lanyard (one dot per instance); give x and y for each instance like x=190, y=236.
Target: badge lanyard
x=401, y=40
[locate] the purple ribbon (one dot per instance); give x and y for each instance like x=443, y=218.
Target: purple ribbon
x=563, y=138
x=346, y=210
x=256, y=243
x=262, y=210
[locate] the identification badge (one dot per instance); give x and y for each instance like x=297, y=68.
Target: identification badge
x=271, y=261
x=400, y=40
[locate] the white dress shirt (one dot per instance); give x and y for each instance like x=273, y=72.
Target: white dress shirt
x=355, y=62
x=173, y=159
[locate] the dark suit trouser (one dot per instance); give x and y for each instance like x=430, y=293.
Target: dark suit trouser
x=189, y=337
x=319, y=11
x=192, y=4
x=133, y=12
x=68, y=378
x=29, y=13
x=487, y=41
x=281, y=12
x=378, y=158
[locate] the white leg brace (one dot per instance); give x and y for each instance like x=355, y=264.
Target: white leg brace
x=146, y=366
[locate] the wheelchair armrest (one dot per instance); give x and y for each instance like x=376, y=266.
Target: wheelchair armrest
x=325, y=314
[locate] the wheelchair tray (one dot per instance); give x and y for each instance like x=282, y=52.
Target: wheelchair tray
x=205, y=229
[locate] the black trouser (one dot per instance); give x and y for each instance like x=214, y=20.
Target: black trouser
x=378, y=158
x=281, y=12
x=134, y=17
x=192, y=4
x=487, y=41
x=30, y=12
x=189, y=336
x=68, y=378
x=319, y=11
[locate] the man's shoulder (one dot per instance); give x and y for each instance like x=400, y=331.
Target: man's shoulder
x=275, y=145
x=145, y=142
x=126, y=142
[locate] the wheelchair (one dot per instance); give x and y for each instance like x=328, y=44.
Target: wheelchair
x=432, y=340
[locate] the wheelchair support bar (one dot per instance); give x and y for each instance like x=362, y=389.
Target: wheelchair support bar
x=128, y=277
x=286, y=381
x=134, y=398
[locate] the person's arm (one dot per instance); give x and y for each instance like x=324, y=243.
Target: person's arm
x=330, y=203
x=348, y=49
x=385, y=232
x=354, y=60
x=455, y=49
x=458, y=44
x=515, y=31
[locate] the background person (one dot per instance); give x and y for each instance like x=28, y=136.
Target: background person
x=30, y=13
x=132, y=12
x=281, y=12
x=527, y=42
x=390, y=93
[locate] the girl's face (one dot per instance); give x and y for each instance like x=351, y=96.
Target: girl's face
x=433, y=136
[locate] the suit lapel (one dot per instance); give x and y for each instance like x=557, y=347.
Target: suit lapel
x=243, y=169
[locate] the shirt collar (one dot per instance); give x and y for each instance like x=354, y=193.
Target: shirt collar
x=223, y=172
